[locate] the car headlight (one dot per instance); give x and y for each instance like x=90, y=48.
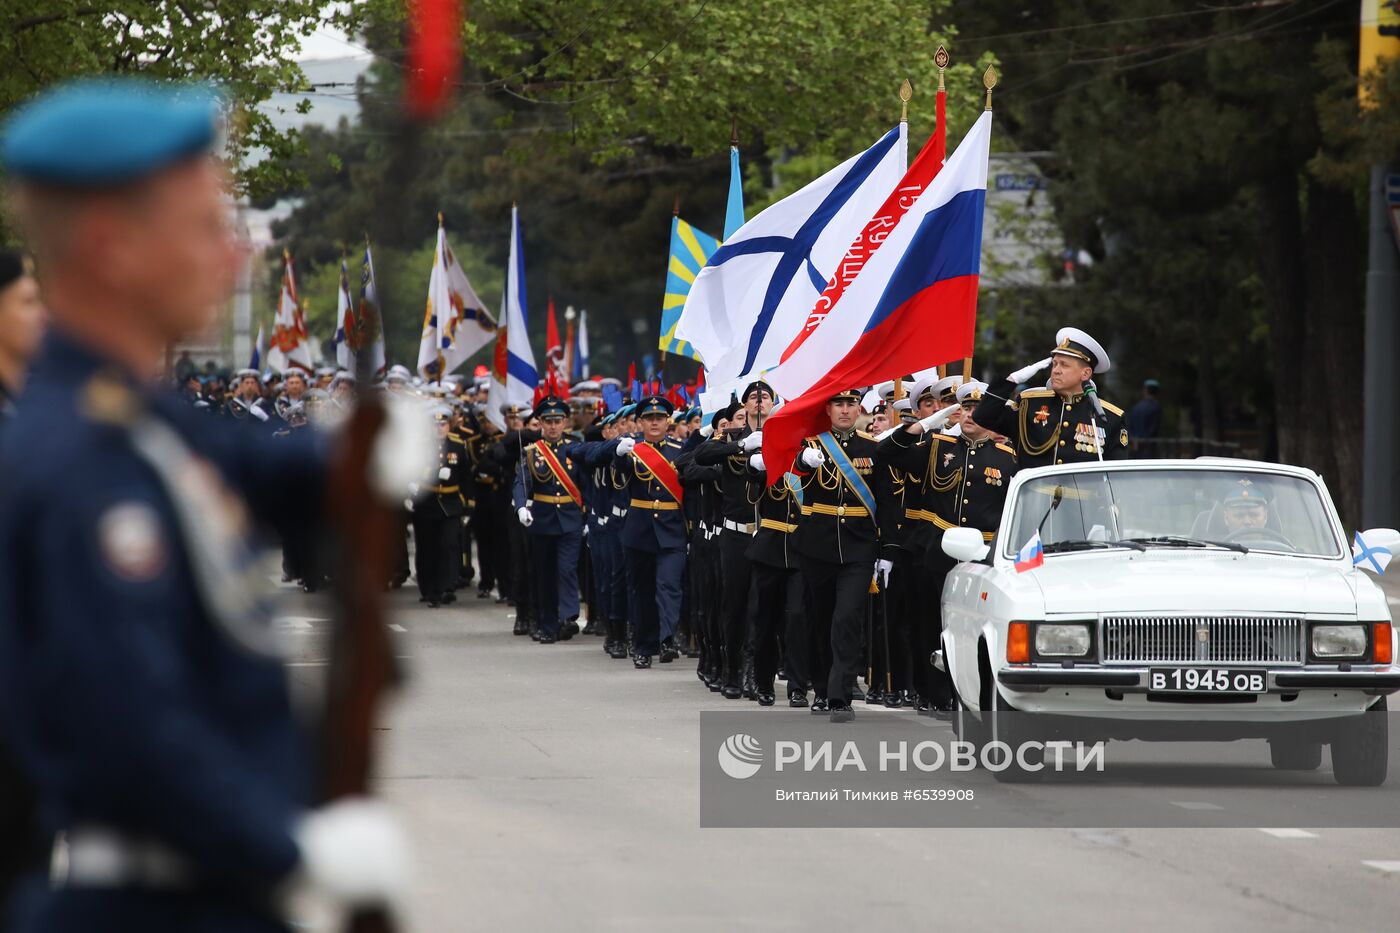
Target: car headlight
x=1338, y=641
x=1062, y=641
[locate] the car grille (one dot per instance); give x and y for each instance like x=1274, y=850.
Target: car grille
x=1203, y=640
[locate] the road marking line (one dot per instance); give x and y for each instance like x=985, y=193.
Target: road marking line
x=297, y=621
x=1289, y=833
x=1382, y=865
x=397, y=627
x=1195, y=805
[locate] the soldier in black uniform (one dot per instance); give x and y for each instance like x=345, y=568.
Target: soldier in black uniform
x=1064, y=422
x=964, y=479
x=437, y=518
x=704, y=504
x=838, y=540
x=490, y=514
x=507, y=453
x=895, y=571
x=777, y=586
x=731, y=449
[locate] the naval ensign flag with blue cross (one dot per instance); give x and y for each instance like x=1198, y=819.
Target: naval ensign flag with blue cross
x=755, y=292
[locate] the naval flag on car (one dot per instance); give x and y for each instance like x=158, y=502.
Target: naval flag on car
x=1031, y=555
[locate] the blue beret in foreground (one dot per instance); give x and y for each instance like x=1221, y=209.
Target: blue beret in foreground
x=97, y=133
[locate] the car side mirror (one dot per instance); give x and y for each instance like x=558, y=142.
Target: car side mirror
x=964, y=544
x=1372, y=549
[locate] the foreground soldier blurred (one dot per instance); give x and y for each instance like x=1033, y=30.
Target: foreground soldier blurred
x=141, y=686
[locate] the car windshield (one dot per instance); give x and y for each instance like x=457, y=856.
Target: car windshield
x=1174, y=508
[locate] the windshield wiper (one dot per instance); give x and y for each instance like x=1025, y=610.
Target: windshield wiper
x=1083, y=544
x=1183, y=541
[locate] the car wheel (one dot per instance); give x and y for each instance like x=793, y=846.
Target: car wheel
x=1360, y=748
x=1295, y=754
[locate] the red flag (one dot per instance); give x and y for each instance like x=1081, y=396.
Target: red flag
x=434, y=55
x=700, y=381
x=551, y=334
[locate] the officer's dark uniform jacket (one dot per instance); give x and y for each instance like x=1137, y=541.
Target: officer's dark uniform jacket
x=553, y=510
x=779, y=514
x=145, y=703
x=836, y=527
x=1047, y=429
x=739, y=513
x=964, y=481
x=704, y=500
x=655, y=521
x=452, y=495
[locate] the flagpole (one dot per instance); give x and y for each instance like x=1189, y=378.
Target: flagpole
x=940, y=61
x=906, y=93
x=989, y=81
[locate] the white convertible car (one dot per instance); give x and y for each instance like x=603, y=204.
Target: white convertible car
x=1177, y=590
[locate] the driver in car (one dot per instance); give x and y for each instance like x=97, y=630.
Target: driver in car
x=1244, y=507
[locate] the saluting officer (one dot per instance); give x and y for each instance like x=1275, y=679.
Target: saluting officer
x=965, y=479
x=1064, y=422
x=838, y=541
x=654, y=531
x=549, y=504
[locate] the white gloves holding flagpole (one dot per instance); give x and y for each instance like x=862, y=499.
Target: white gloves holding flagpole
x=813, y=458
x=751, y=443
x=756, y=462
x=354, y=852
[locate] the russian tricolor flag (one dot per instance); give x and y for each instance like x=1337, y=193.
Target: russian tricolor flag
x=912, y=305
x=1031, y=555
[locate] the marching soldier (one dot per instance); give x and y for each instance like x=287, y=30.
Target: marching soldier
x=778, y=589
x=246, y=400
x=549, y=504
x=838, y=543
x=437, y=517
x=704, y=503
x=654, y=532
x=489, y=514
x=509, y=455
x=1064, y=422
x=142, y=684
x=965, y=479
x=606, y=513
x=731, y=449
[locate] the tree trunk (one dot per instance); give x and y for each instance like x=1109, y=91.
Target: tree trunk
x=1333, y=254
x=1280, y=254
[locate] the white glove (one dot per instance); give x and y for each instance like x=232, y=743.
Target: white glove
x=624, y=446
x=938, y=419
x=405, y=449
x=523, y=513
x=1026, y=372
x=882, y=571
x=445, y=473
x=751, y=443
x=354, y=851
x=413, y=489
x=707, y=430
x=756, y=461
x=257, y=412
x=886, y=433
x=408, y=505
x=813, y=458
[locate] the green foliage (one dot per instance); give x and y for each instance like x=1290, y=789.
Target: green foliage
x=245, y=46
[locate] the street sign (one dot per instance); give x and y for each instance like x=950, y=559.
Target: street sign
x=1392, y=204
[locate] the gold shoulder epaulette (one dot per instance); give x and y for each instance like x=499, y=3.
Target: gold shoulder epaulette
x=1006, y=447
x=454, y=437
x=868, y=437
x=1038, y=393
x=1111, y=407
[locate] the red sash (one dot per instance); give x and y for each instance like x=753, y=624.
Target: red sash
x=562, y=475
x=665, y=471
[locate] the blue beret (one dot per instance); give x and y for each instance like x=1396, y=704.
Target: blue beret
x=95, y=133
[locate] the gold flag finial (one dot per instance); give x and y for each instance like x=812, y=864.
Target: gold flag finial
x=906, y=92
x=940, y=60
x=989, y=81
x=286, y=255
x=734, y=132
x=439, y=218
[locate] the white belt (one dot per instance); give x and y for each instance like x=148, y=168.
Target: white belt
x=600, y=519
x=619, y=512
x=93, y=857
x=739, y=526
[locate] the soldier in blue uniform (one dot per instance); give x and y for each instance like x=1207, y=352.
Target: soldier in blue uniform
x=654, y=531
x=549, y=504
x=142, y=689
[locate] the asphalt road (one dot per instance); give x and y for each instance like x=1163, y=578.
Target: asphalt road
x=552, y=788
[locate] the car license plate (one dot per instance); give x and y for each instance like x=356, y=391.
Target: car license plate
x=1205, y=680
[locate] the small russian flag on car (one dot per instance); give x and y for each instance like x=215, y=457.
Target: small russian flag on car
x=1031, y=555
